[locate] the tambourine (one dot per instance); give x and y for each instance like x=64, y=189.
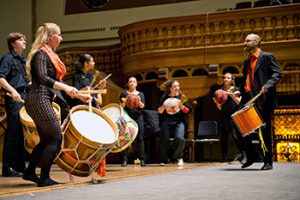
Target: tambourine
x=172, y=105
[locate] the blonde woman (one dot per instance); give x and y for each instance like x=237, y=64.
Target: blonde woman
x=227, y=125
x=46, y=70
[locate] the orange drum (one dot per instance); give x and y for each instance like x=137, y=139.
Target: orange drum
x=87, y=138
x=127, y=127
x=31, y=136
x=247, y=119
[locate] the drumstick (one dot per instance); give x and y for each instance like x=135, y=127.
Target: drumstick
x=90, y=102
x=103, y=91
x=253, y=99
x=10, y=95
x=97, y=73
x=102, y=80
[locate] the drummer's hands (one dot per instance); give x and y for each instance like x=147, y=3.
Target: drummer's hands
x=71, y=91
x=84, y=97
x=180, y=104
x=219, y=106
x=102, y=84
x=85, y=88
x=264, y=90
x=161, y=109
x=141, y=105
x=123, y=102
x=16, y=96
x=230, y=93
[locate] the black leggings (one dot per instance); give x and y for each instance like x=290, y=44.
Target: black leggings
x=46, y=150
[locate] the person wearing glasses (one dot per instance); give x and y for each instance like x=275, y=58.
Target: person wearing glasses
x=261, y=73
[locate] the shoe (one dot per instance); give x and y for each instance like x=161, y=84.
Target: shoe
x=124, y=163
x=46, y=182
x=243, y=158
x=180, y=162
x=247, y=164
x=162, y=164
x=143, y=163
x=30, y=177
x=267, y=166
x=10, y=172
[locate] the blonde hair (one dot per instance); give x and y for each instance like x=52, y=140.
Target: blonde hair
x=42, y=36
x=232, y=78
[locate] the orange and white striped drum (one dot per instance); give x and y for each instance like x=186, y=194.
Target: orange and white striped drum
x=247, y=120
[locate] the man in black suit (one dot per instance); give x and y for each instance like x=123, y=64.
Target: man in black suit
x=261, y=74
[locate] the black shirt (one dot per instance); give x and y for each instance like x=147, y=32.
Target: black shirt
x=81, y=80
x=13, y=69
x=228, y=108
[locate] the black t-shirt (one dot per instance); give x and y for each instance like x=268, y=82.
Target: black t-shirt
x=228, y=108
x=12, y=69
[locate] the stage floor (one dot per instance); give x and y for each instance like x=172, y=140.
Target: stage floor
x=10, y=186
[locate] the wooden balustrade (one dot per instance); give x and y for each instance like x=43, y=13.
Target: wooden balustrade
x=278, y=23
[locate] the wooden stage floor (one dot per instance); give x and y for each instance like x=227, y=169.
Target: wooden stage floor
x=10, y=186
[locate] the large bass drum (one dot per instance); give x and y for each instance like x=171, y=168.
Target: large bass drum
x=88, y=137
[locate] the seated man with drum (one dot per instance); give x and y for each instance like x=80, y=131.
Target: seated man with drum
x=261, y=73
x=174, y=108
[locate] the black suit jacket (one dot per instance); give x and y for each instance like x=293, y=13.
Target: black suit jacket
x=267, y=74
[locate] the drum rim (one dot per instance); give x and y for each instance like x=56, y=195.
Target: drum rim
x=243, y=109
x=111, y=105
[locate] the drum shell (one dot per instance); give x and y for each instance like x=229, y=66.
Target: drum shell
x=128, y=133
x=247, y=120
x=78, y=152
x=31, y=136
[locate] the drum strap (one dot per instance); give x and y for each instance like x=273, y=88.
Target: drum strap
x=263, y=146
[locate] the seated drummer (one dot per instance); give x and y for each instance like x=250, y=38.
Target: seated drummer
x=174, y=107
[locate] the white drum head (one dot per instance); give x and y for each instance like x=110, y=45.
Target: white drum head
x=113, y=112
x=172, y=106
x=93, y=127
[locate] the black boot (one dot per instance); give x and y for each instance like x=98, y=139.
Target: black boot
x=143, y=163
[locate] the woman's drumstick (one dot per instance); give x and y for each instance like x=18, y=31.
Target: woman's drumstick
x=101, y=80
x=90, y=102
x=103, y=91
x=10, y=95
